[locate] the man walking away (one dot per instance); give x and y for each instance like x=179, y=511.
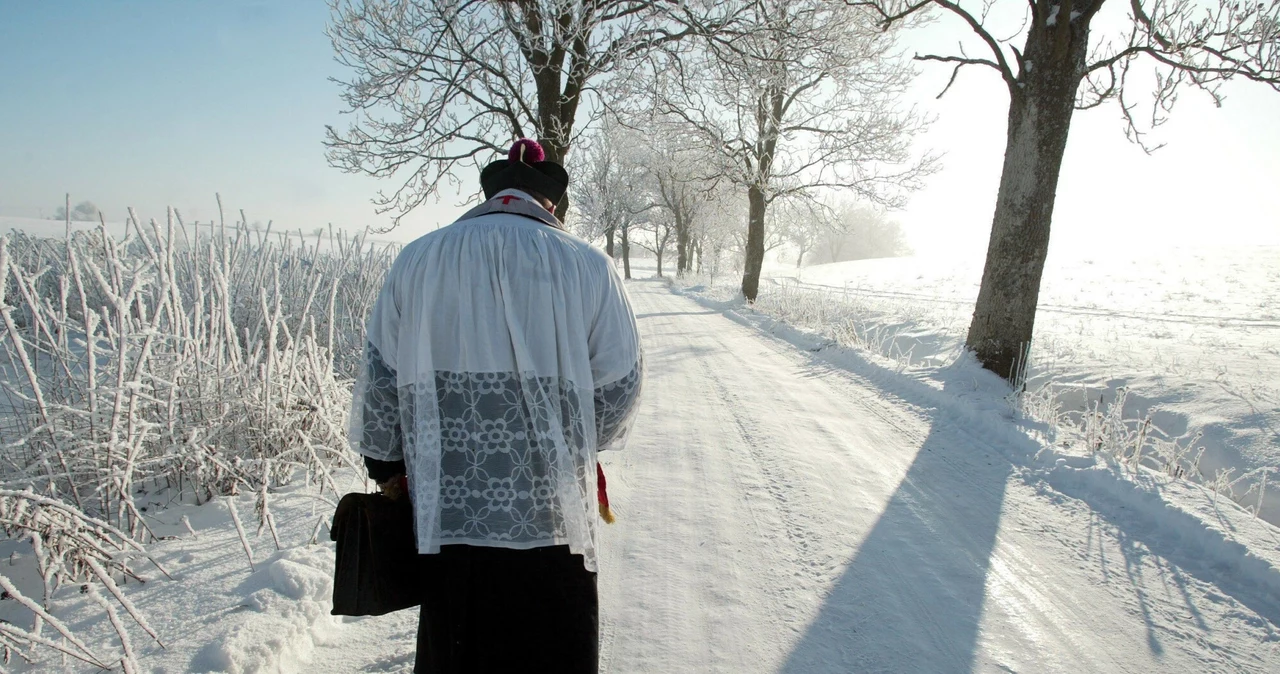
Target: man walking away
x=501, y=355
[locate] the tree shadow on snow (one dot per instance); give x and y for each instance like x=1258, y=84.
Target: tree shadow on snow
x=911, y=598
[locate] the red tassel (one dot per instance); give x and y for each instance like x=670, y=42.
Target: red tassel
x=602, y=495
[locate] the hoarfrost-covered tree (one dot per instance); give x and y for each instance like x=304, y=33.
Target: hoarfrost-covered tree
x=85, y=211
x=597, y=210
x=610, y=196
x=714, y=230
x=680, y=186
x=806, y=224
x=1064, y=65
x=775, y=235
x=439, y=85
x=659, y=233
x=860, y=232
x=804, y=100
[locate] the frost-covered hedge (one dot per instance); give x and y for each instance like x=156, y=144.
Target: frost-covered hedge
x=213, y=360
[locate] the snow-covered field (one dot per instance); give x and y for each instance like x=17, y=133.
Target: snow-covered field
x=1192, y=334
x=56, y=229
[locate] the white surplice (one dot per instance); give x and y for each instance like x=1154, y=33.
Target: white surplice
x=501, y=354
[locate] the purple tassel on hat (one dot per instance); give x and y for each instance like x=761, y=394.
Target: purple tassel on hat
x=526, y=150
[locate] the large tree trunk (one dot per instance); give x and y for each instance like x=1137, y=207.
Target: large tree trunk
x=659, y=254
x=556, y=152
x=755, y=243
x=556, y=112
x=608, y=240
x=1040, y=111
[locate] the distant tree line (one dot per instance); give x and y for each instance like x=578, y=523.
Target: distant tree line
x=85, y=211
x=862, y=233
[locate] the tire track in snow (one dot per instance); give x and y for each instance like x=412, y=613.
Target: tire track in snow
x=1012, y=577
x=685, y=532
x=777, y=486
x=1020, y=593
x=818, y=557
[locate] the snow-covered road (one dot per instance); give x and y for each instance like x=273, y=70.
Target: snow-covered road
x=780, y=514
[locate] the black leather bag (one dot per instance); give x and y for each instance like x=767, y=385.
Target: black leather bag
x=376, y=568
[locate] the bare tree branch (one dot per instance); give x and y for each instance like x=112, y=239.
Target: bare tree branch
x=434, y=86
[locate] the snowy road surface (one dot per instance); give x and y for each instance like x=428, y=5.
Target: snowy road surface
x=778, y=514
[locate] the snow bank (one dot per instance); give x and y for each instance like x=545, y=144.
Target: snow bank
x=290, y=605
x=217, y=614
x=1185, y=521
x=300, y=581
x=1191, y=335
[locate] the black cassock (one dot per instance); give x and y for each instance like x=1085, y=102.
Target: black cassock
x=490, y=610
x=503, y=610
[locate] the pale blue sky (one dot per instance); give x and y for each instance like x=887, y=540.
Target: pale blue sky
x=152, y=103
x=155, y=103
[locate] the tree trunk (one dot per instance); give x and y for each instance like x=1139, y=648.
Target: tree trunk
x=659, y=254
x=608, y=240
x=626, y=253
x=714, y=264
x=682, y=246
x=556, y=152
x=755, y=243
x=1040, y=111
x=557, y=107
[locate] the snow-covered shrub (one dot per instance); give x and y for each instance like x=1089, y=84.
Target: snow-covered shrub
x=213, y=360
x=1105, y=429
x=853, y=319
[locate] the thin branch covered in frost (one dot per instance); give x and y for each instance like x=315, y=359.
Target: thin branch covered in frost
x=1190, y=43
x=435, y=86
x=13, y=637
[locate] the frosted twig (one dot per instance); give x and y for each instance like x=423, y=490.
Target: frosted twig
x=110, y=584
x=53, y=622
x=130, y=661
x=244, y=540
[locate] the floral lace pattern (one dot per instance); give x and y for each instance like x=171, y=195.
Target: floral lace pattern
x=511, y=457
x=615, y=404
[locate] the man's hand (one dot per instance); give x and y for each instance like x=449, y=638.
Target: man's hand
x=395, y=488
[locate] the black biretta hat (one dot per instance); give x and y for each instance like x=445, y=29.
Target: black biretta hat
x=525, y=167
